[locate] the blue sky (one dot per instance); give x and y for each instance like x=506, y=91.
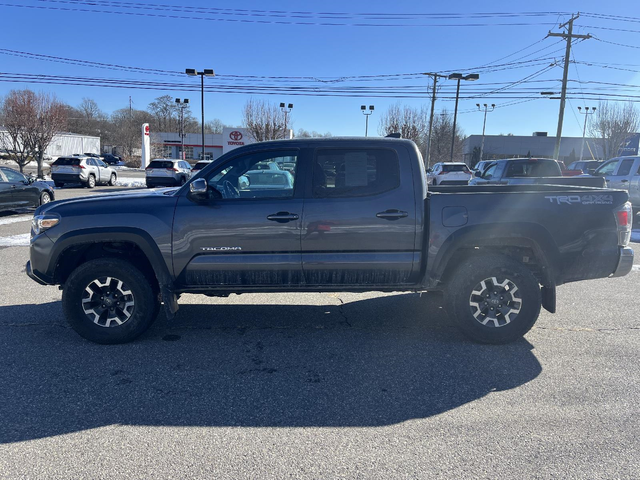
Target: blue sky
x=330, y=52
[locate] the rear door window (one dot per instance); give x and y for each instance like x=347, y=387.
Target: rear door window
x=608, y=168
x=625, y=167
x=354, y=172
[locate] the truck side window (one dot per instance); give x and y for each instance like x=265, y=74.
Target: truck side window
x=242, y=177
x=488, y=173
x=625, y=167
x=608, y=168
x=354, y=172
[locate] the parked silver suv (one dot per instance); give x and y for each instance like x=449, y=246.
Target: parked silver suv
x=89, y=171
x=167, y=172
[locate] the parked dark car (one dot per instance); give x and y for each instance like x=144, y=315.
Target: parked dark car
x=110, y=159
x=20, y=191
x=496, y=251
x=587, y=166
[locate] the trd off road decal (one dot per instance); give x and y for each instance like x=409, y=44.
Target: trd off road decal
x=581, y=199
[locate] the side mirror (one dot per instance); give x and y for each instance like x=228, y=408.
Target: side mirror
x=198, y=189
x=429, y=170
x=478, y=173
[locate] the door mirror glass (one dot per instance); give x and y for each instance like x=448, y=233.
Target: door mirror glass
x=198, y=187
x=478, y=173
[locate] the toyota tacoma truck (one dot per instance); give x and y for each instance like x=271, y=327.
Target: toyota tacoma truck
x=356, y=216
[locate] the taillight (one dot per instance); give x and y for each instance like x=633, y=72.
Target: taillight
x=81, y=166
x=624, y=222
x=172, y=169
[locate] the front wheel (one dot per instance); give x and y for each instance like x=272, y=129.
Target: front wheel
x=109, y=301
x=494, y=299
x=112, y=180
x=45, y=197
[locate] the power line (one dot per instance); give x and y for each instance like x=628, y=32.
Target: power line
x=93, y=7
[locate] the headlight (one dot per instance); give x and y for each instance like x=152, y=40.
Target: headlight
x=40, y=223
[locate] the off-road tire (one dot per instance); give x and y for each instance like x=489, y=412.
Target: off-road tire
x=469, y=275
x=145, y=309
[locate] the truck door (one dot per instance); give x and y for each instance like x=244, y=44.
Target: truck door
x=620, y=178
x=243, y=235
x=634, y=189
x=359, y=223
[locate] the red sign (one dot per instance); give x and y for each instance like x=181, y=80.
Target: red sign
x=235, y=135
x=146, y=129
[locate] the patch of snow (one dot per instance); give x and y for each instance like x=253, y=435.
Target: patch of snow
x=635, y=268
x=21, y=240
x=10, y=220
x=122, y=167
x=131, y=182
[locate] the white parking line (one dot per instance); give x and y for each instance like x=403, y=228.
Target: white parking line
x=10, y=220
x=21, y=240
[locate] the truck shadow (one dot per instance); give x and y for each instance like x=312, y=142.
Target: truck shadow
x=368, y=362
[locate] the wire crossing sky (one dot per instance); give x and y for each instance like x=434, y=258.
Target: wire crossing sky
x=327, y=58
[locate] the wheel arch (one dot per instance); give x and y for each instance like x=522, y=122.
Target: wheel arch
x=530, y=244
x=135, y=245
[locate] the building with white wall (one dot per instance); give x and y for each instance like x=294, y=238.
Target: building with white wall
x=63, y=144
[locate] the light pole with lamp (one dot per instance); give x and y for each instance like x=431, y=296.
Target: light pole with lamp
x=182, y=104
x=586, y=114
x=207, y=72
x=286, y=109
x=458, y=77
x=366, y=114
x=484, y=124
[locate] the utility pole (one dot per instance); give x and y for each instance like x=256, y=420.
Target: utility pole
x=568, y=37
x=484, y=124
x=435, y=77
x=586, y=114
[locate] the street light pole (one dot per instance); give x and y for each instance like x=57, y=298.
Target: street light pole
x=458, y=77
x=182, y=104
x=207, y=72
x=484, y=124
x=586, y=114
x=286, y=109
x=366, y=113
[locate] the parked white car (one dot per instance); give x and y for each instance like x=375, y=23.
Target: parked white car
x=88, y=171
x=167, y=172
x=449, y=173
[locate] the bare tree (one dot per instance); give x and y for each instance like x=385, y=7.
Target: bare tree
x=214, y=126
x=265, y=121
x=440, y=150
x=613, y=125
x=18, y=120
x=302, y=133
x=411, y=123
x=50, y=117
x=126, y=129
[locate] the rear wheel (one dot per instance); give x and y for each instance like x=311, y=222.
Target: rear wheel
x=183, y=180
x=112, y=180
x=494, y=299
x=45, y=197
x=109, y=301
x=91, y=181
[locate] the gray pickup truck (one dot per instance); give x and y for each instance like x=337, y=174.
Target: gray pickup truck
x=623, y=173
x=529, y=171
x=356, y=216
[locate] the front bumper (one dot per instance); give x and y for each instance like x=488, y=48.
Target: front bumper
x=625, y=263
x=33, y=276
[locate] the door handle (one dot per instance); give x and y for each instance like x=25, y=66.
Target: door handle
x=282, y=217
x=624, y=181
x=392, y=214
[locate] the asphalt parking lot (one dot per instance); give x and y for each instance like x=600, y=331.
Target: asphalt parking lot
x=317, y=386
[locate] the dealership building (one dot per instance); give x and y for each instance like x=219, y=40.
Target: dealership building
x=216, y=144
